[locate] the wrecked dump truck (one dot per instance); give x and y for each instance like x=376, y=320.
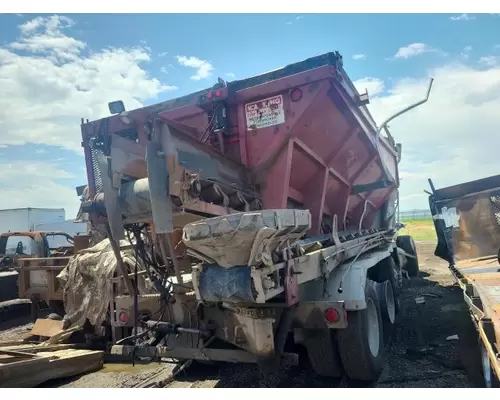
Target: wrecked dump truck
x=467, y=222
x=244, y=223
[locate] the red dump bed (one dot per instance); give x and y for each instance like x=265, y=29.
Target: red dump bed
x=300, y=136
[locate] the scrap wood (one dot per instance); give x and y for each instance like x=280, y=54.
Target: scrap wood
x=47, y=327
x=37, y=347
x=16, y=343
x=46, y=365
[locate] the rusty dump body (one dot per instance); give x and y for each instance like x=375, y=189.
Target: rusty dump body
x=298, y=137
x=258, y=206
x=467, y=222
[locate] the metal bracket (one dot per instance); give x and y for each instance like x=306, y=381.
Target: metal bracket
x=161, y=203
x=291, y=281
x=111, y=200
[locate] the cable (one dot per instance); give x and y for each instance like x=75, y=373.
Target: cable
x=362, y=215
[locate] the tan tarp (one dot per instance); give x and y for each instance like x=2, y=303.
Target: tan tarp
x=86, y=283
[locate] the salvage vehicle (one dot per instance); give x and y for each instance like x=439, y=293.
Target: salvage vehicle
x=467, y=222
x=37, y=263
x=249, y=220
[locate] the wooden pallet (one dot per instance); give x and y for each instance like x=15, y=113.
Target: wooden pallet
x=26, y=365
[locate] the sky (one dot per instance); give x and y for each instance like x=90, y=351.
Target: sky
x=56, y=69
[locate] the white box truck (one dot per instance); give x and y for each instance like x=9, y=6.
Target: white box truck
x=26, y=219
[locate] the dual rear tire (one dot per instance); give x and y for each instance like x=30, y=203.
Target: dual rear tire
x=358, y=350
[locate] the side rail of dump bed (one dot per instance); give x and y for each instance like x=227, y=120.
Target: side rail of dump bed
x=467, y=222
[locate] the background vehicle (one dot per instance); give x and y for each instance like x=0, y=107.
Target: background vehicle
x=467, y=222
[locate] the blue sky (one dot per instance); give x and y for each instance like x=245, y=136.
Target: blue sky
x=150, y=58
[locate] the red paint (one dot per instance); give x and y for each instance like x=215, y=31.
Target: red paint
x=312, y=147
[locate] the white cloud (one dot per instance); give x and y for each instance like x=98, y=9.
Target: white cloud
x=43, y=35
x=297, y=18
x=462, y=17
x=465, y=54
x=33, y=184
x=51, y=84
x=489, y=60
x=374, y=86
x=452, y=138
x=413, y=50
x=230, y=75
x=359, y=56
x=203, y=68
x=163, y=54
x=49, y=79
x=164, y=70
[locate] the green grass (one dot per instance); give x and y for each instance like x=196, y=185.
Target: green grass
x=419, y=229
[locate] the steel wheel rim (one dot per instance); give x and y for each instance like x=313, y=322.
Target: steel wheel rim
x=390, y=303
x=373, y=328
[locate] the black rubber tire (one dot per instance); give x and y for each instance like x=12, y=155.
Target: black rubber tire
x=57, y=307
x=406, y=243
x=358, y=361
x=387, y=270
x=387, y=321
x=54, y=317
x=322, y=353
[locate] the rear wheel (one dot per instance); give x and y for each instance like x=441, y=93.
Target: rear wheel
x=361, y=344
x=388, y=308
x=406, y=243
x=322, y=352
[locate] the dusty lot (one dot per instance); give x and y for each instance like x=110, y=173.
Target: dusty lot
x=426, y=325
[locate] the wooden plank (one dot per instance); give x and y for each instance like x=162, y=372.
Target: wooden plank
x=33, y=349
x=16, y=343
x=50, y=365
x=47, y=327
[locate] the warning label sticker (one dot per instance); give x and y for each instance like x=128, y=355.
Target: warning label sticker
x=265, y=113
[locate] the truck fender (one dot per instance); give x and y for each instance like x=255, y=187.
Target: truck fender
x=346, y=283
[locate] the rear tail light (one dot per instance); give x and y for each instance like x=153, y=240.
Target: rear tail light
x=123, y=317
x=331, y=315
x=209, y=95
x=218, y=93
x=296, y=94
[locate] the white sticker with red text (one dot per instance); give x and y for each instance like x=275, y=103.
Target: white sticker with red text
x=264, y=113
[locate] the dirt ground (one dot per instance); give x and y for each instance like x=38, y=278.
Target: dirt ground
x=425, y=326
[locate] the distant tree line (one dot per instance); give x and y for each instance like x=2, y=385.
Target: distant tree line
x=415, y=214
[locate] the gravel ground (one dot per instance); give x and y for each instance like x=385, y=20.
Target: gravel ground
x=427, y=325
